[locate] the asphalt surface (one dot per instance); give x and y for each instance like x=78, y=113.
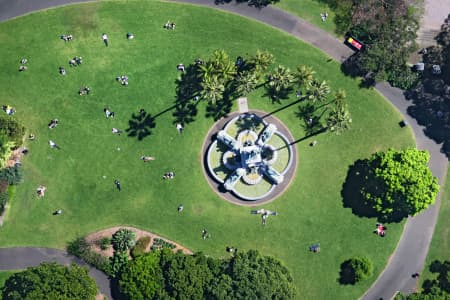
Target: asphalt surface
x=21, y=258
x=411, y=251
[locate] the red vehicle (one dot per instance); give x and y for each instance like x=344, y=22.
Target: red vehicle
x=354, y=43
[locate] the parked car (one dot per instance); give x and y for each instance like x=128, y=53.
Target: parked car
x=354, y=43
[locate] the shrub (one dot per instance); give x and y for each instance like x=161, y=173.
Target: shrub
x=11, y=128
x=141, y=245
x=104, y=243
x=118, y=262
x=4, y=197
x=355, y=269
x=12, y=175
x=123, y=240
x=403, y=77
x=160, y=244
x=81, y=249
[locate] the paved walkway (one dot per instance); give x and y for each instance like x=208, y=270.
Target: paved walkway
x=413, y=247
x=21, y=258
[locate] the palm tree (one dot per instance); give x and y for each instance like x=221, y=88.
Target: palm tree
x=339, y=119
x=339, y=97
x=206, y=70
x=304, y=76
x=219, y=65
x=246, y=82
x=318, y=90
x=261, y=62
x=280, y=81
x=212, y=89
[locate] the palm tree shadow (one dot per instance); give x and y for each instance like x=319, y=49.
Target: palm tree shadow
x=141, y=125
x=277, y=96
x=219, y=109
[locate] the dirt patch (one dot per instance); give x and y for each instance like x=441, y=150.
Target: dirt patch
x=15, y=157
x=94, y=238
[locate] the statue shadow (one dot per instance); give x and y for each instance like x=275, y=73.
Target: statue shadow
x=141, y=125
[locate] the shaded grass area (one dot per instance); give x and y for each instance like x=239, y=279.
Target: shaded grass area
x=79, y=177
x=4, y=275
x=440, y=245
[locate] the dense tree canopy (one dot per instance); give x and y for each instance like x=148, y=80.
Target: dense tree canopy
x=388, y=29
x=431, y=97
x=168, y=275
x=50, y=281
x=436, y=288
x=259, y=277
x=142, y=279
x=399, y=182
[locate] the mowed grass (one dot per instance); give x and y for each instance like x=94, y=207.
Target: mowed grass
x=440, y=245
x=310, y=11
x=311, y=209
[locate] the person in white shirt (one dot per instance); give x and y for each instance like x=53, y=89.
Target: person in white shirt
x=105, y=39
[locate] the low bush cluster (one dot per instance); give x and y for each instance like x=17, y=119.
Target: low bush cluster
x=12, y=175
x=81, y=249
x=123, y=240
x=159, y=244
x=141, y=245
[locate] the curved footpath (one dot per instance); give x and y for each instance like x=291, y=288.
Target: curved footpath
x=22, y=258
x=412, y=249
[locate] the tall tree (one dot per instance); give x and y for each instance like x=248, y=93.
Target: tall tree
x=399, y=183
x=142, y=277
x=318, y=91
x=246, y=82
x=339, y=118
x=304, y=76
x=212, y=89
x=259, y=277
x=220, y=66
x=50, y=281
x=261, y=62
x=280, y=82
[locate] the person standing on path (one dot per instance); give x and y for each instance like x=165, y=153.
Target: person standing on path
x=105, y=39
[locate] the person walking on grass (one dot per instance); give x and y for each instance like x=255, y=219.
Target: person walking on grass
x=105, y=39
x=117, y=183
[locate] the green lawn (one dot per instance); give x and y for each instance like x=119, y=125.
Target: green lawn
x=440, y=245
x=310, y=11
x=79, y=177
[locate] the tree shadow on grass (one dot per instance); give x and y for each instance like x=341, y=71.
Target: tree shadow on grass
x=360, y=177
x=442, y=281
x=141, y=125
x=219, y=109
x=277, y=96
x=187, y=97
x=347, y=274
